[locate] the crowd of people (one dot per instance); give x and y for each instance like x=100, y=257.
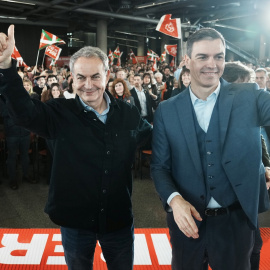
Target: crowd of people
x=210, y=135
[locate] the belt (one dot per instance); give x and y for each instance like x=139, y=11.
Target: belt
x=212, y=212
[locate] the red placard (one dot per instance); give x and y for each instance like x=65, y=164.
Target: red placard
x=53, y=51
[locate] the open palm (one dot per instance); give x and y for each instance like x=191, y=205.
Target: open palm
x=7, y=44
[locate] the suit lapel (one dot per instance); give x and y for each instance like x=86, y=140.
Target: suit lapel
x=136, y=99
x=225, y=106
x=184, y=110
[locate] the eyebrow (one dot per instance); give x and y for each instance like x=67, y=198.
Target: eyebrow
x=204, y=54
x=78, y=74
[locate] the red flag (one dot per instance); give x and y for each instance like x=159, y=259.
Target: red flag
x=110, y=56
x=169, y=27
x=163, y=57
x=17, y=56
x=119, y=60
x=48, y=39
x=154, y=67
x=132, y=55
x=116, y=52
x=151, y=55
x=171, y=49
x=172, y=63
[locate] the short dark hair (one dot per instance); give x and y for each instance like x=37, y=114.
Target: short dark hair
x=137, y=75
x=52, y=76
x=203, y=34
x=236, y=71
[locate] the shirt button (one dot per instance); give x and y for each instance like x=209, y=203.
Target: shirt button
x=106, y=171
x=102, y=210
x=210, y=164
x=208, y=153
x=108, y=152
x=104, y=191
x=210, y=176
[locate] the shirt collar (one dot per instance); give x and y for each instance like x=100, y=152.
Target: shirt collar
x=89, y=108
x=214, y=94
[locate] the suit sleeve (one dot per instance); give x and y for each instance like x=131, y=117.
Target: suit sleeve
x=263, y=105
x=161, y=160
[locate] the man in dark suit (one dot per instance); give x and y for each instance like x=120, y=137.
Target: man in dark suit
x=206, y=162
x=145, y=101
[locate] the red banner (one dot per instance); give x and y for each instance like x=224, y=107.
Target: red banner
x=41, y=249
x=62, y=61
x=140, y=59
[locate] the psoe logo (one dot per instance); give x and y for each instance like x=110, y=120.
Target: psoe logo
x=169, y=27
x=42, y=249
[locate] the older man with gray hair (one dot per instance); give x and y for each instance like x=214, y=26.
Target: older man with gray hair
x=93, y=139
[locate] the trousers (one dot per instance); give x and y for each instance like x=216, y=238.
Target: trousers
x=117, y=247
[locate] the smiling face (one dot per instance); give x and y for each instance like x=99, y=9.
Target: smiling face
x=89, y=80
x=186, y=78
x=206, y=65
x=27, y=86
x=55, y=92
x=119, y=89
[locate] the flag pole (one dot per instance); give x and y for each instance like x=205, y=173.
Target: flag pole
x=37, y=58
x=43, y=59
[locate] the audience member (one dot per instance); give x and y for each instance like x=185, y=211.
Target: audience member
x=184, y=81
x=120, y=91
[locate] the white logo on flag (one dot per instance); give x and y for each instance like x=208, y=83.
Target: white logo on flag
x=169, y=27
x=173, y=50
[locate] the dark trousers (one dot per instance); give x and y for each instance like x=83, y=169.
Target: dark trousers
x=117, y=247
x=225, y=242
x=255, y=256
x=15, y=145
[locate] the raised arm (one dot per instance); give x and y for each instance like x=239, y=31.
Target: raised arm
x=7, y=44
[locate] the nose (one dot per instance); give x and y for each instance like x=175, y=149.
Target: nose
x=211, y=63
x=88, y=83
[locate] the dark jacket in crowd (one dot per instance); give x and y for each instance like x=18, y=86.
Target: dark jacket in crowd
x=91, y=179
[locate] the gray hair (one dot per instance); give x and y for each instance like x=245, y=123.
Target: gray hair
x=89, y=52
x=158, y=74
x=203, y=34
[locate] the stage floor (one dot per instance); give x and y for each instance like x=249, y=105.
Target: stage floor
x=41, y=249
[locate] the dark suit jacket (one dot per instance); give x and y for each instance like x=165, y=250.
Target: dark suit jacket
x=150, y=104
x=176, y=164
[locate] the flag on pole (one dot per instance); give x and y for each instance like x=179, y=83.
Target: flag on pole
x=169, y=27
x=132, y=55
x=17, y=56
x=151, y=55
x=116, y=52
x=49, y=39
x=110, y=56
x=163, y=57
x=119, y=60
x=171, y=49
x=154, y=67
x=172, y=63
x=53, y=62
